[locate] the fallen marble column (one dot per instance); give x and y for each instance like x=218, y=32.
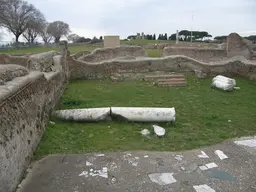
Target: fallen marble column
x=144, y=114
x=224, y=80
x=92, y=114
x=224, y=83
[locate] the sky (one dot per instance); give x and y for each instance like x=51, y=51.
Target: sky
x=91, y=18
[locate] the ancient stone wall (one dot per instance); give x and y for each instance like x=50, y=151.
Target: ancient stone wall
x=105, y=69
x=25, y=104
x=8, y=59
x=236, y=45
x=103, y=54
x=80, y=54
x=181, y=44
x=201, y=54
x=233, y=46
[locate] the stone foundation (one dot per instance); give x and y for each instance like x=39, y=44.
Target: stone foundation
x=201, y=54
x=233, y=66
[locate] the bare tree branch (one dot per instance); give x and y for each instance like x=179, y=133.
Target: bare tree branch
x=58, y=29
x=44, y=33
x=73, y=37
x=15, y=15
x=34, y=27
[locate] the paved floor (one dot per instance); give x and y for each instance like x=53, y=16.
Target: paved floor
x=230, y=169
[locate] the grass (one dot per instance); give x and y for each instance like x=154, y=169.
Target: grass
x=72, y=49
x=145, y=41
x=154, y=52
x=83, y=47
x=202, y=117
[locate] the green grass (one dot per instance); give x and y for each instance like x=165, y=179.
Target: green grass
x=144, y=41
x=72, y=49
x=83, y=47
x=154, y=52
x=202, y=117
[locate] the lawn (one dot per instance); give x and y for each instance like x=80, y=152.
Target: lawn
x=72, y=49
x=145, y=41
x=205, y=116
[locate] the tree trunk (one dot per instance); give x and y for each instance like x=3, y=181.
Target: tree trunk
x=17, y=38
x=57, y=39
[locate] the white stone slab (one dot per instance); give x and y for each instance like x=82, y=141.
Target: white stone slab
x=220, y=154
x=203, y=168
x=203, y=155
x=211, y=165
x=162, y=178
x=203, y=188
x=248, y=143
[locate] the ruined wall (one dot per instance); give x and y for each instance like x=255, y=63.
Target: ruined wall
x=236, y=45
x=25, y=105
x=201, y=54
x=8, y=59
x=182, y=44
x=99, y=55
x=80, y=54
x=233, y=66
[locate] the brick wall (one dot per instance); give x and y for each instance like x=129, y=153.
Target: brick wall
x=25, y=105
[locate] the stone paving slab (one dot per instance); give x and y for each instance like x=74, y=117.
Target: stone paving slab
x=145, y=171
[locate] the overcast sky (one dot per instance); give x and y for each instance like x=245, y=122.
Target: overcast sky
x=125, y=17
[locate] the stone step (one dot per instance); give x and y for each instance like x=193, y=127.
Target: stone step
x=173, y=84
x=170, y=80
x=153, y=77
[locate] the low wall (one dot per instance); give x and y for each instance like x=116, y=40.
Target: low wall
x=202, y=54
x=99, y=55
x=181, y=44
x=80, y=54
x=234, y=66
x=25, y=105
x=8, y=59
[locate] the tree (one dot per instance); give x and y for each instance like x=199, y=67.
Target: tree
x=15, y=15
x=95, y=40
x=73, y=37
x=44, y=33
x=101, y=38
x=131, y=37
x=221, y=38
x=154, y=37
x=1, y=36
x=165, y=36
x=58, y=29
x=34, y=27
x=83, y=40
x=173, y=37
x=251, y=38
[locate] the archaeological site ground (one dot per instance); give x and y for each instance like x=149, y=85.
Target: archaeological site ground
x=208, y=145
